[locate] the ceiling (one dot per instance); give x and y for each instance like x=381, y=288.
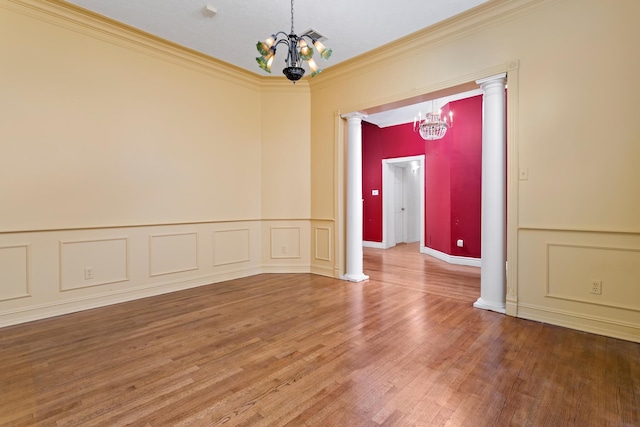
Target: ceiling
x=351, y=27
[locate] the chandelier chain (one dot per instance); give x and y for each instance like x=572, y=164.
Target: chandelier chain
x=291, y=17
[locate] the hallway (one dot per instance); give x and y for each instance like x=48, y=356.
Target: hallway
x=404, y=266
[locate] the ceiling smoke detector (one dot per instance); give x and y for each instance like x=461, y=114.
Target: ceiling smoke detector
x=209, y=11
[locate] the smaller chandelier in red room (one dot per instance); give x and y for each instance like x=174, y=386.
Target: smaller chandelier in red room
x=433, y=126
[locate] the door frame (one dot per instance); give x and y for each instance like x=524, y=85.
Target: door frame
x=388, y=196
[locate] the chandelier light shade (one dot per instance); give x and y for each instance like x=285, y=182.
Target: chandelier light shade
x=433, y=126
x=298, y=50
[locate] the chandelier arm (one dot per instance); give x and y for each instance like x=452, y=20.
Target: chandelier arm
x=285, y=41
x=275, y=36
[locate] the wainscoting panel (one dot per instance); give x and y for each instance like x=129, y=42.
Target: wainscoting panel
x=616, y=271
x=87, y=263
x=323, y=244
x=55, y=272
x=556, y=275
x=231, y=246
x=286, y=246
x=323, y=248
x=172, y=253
x=285, y=242
x=14, y=272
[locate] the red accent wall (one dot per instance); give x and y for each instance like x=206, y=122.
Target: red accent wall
x=453, y=173
x=382, y=143
x=437, y=211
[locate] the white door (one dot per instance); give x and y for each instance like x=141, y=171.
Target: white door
x=399, y=208
x=412, y=202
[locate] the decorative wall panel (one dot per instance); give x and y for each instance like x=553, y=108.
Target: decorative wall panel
x=573, y=269
x=231, y=246
x=172, y=253
x=89, y=263
x=285, y=242
x=14, y=272
x=323, y=243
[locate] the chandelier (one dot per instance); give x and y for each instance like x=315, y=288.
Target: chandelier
x=433, y=126
x=298, y=50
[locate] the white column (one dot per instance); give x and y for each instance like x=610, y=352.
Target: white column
x=493, y=238
x=354, y=271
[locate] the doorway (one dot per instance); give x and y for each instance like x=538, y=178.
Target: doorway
x=496, y=189
x=403, y=190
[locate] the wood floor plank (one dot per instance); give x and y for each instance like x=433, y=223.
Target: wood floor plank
x=404, y=348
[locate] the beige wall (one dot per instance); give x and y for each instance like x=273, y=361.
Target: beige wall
x=162, y=169
x=100, y=132
x=157, y=168
x=573, y=90
x=286, y=142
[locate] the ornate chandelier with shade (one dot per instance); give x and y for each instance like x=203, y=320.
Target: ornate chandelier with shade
x=298, y=50
x=433, y=126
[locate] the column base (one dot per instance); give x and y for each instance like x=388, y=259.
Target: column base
x=355, y=277
x=484, y=305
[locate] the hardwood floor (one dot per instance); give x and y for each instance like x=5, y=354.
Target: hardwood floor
x=404, y=348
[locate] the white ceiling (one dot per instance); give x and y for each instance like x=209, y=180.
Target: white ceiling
x=351, y=27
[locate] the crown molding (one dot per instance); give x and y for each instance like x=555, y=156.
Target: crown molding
x=282, y=84
x=78, y=19
x=460, y=26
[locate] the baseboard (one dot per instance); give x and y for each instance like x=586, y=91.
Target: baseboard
x=322, y=271
x=58, y=308
x=285, y=268
x=581, y=322
x=451, y=259
x=375, y=245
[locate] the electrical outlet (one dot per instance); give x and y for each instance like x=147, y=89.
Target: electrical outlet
x=284, y=249
x=596, y=287
x=88, y=273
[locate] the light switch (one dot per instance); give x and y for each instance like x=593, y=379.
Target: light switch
x=374, y=192
x=524, y=174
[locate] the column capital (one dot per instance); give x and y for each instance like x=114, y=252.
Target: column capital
x=498, y=78
x=354, y=115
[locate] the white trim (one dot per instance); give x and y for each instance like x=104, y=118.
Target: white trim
x=375, y=245
x=388, y=226
x=58, y=308
x=487, y=305
x=451, y=259
x=322, y=270
x=355, y=277
x=582, y=322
